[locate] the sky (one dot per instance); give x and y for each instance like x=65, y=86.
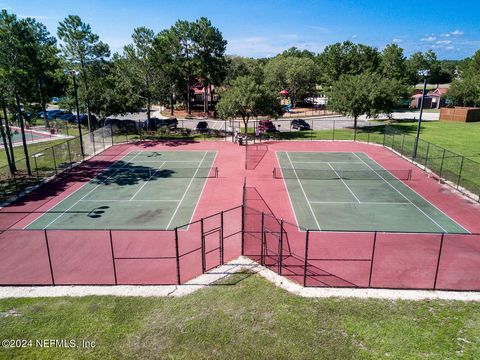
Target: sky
x=265, y=28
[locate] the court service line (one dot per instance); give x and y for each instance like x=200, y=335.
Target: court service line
x=201, y=193
x=126, y=200
x=363, y=203
x=433, y=205
x=393, y=187
x=186, y=191
x=88, y=193
x=81, y=187
x=344, y=183
x=327, y=162
x=146, y=182
x=304, y=194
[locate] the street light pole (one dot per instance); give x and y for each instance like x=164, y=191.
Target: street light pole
x=425, y=74
x=74, y=74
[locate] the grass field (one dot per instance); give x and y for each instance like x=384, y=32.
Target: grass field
x=462, y=138
x=246, y=317
x=32, y=149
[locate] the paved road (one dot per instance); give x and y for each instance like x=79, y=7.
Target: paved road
x=317, y=123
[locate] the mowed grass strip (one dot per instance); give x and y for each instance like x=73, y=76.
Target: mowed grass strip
x=243, y=317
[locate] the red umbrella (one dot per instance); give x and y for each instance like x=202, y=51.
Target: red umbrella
x=284, y=92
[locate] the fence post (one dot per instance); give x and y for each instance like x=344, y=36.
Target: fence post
x=113, y=258
x=243, y=229
x=368, y=137
x=54, y=161
x=177, y=256
x=333, y=131
x=438, y=261
x=36, y=166
x=280, y=248
x=403, y=143
x=384, y=135
x=307, y=237
x=262, y=237
x=426, y=155
x=371, y=263
x=69, y=152
x=92, y=135
x=221, y=239
x=202, y=239
x=441, y=165
x=460, y=172
x=49, y=258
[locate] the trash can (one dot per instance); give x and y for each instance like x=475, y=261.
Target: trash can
x=240, y=140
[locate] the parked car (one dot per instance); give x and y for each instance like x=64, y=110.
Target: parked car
x=300, y=124
x=266, y=126
x=202, y=127
x=156, y=123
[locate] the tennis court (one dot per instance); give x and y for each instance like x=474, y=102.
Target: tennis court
x=143, y=190
x=349, y=191
x=30, y=135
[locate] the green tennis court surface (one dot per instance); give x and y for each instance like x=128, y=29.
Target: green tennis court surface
x=144, y=190
x=350, y=191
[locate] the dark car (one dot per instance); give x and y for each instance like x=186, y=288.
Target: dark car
x=202, y=127
x=300, y=124
x=266, y=126
x=156, y=123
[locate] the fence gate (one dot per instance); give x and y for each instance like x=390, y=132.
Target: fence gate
x=212, y=241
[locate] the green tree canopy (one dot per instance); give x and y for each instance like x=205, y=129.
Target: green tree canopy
x=245, y=98
x=368, y=94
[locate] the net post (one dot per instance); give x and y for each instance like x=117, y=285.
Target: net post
x=202, y=240
x=371, y=262
x=49, y=257
x=305, y=263
x=280, y=248
x=460, y=172
x=438, y=261
x=177, y=256
x=113, y=257
x=262, y=237
x=221, y=239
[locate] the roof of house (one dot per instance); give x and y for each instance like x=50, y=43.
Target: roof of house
x=438, y=92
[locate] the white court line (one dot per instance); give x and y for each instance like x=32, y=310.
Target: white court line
x=393, y=187
x=201, y=193
x=288, y=193
x=167, y=161
x=125, y=200
x=186, y=191
x=433, y=205
x=304, y=194
x=88, y=193
x=344, y=183
x=356, y=203
x=81, y=187
x=327, y=162
x=146, y=182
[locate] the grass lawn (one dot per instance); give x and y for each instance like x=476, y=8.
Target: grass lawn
x=32, y=149
x=246, y=317
x=462, y=138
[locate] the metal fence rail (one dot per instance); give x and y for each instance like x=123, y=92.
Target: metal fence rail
x=114, y=257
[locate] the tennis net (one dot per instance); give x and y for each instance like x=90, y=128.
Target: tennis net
x=317, y=174
x=135, y=172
